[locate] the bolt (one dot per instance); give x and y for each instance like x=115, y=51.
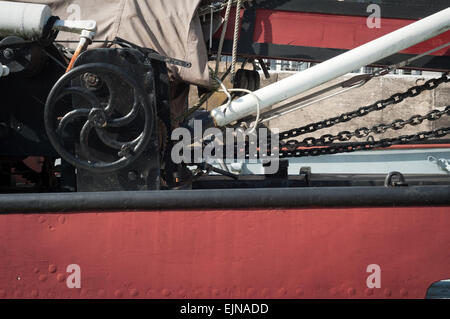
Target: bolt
x=98, y=117
x=52, y=269
x=133, y=176
x=91, y=80
x=8, y=54
x=126, y=151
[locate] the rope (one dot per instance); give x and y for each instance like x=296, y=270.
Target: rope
x=230, y=98
x=258, y=108
x=222, y=36
x=237, y=23
x=205, y=97
x=227, y=92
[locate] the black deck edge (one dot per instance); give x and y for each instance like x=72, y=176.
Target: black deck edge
x=335, y=197
x=315, y=54
x=397, y=9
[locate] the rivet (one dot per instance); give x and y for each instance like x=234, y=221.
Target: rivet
x=333, y=291
x=134, y=292
x=166, y=292
x=282, y=292
x=368, y=292
x=52, y=269
x=61, y=277
x=86, y=292
x=61, y=219
x=118, y=293
x=300, y=292
x=403, y=292
x=18, y=294
x=42, y=219
x=42, y=277
x=34, y=294
x=351, y=291
x=251, y=292
x=387, y=292
x=101, y=293
x=216, y=292
x=36, y=270
x=265, y=292
x=197, y=293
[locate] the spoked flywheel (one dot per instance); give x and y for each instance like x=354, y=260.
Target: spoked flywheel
x=99, y=118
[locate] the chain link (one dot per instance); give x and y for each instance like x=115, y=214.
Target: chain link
x=324, y=146
x=364, y=132
x=363, y=111
x=364, y=146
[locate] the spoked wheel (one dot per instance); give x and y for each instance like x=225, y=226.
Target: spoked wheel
x=105, y=100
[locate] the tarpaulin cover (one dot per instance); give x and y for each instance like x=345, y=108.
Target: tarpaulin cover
x=171, y=27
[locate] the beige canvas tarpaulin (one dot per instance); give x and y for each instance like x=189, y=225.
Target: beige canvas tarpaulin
x=171, y=27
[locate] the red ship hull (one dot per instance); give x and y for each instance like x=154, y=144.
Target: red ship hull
x=280, y=243
x=282, y=253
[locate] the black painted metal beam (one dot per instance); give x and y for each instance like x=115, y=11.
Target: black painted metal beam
x=227, y=199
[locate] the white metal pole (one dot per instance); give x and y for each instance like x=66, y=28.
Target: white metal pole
x=368, y=53
x=26, y=20
x=4, y=70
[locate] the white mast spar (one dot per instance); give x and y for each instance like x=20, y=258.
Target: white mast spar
x=366, y=54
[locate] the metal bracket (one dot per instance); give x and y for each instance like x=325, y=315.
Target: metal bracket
x=306, y=173
x=443, y=163
x=395, y=179
x=264, y=68
x=77, y=26
x=162, y=58
x=152, y=55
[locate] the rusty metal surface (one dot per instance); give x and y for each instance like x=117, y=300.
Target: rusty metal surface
x=296, y=253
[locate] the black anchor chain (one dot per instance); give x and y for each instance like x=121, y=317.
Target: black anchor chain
x=363, y=111
x=324, y=145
